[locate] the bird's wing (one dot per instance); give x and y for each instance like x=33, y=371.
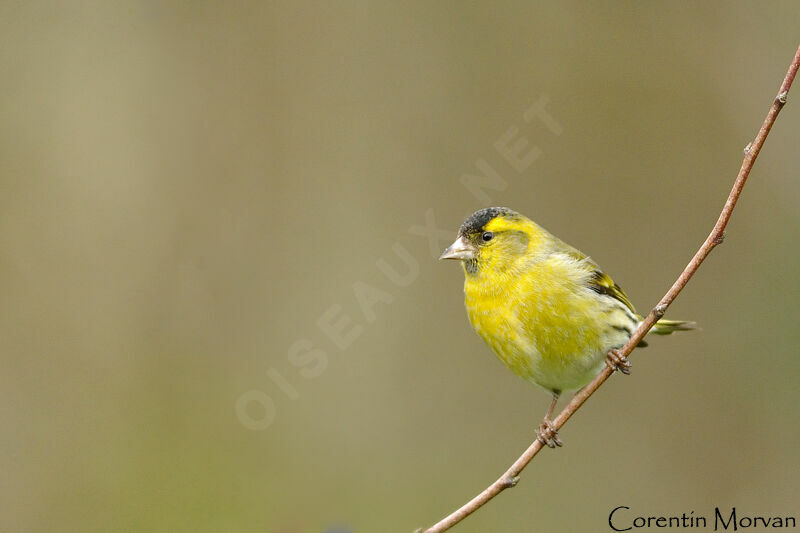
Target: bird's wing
x=599, y=281
x=602, y=284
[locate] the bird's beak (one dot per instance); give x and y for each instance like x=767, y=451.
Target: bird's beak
x=461, y=249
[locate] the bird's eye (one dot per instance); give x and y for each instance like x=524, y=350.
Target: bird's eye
x=487, y=236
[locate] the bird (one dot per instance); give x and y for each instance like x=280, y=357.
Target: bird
x=547, y=310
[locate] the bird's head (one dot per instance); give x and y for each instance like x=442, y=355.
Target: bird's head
x=495, y=238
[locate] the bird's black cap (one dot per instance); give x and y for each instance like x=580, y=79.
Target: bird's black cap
x=477, y=220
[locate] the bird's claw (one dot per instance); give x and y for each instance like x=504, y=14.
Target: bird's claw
x=617, y=361
x=547, y=434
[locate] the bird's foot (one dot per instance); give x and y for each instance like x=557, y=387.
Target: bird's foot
x=547, y=434
x=617, y=361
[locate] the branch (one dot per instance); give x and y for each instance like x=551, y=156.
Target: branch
x=511, y=476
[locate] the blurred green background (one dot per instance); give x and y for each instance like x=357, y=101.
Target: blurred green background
x=187, y=187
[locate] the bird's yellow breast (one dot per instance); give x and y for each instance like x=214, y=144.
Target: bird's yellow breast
x=541, y=321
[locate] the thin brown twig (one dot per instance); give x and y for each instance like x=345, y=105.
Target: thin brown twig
x=511, y=476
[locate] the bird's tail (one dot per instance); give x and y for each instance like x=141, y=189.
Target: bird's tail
x=665, y=327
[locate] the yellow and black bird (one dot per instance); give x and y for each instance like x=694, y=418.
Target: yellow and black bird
x=547, y=310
